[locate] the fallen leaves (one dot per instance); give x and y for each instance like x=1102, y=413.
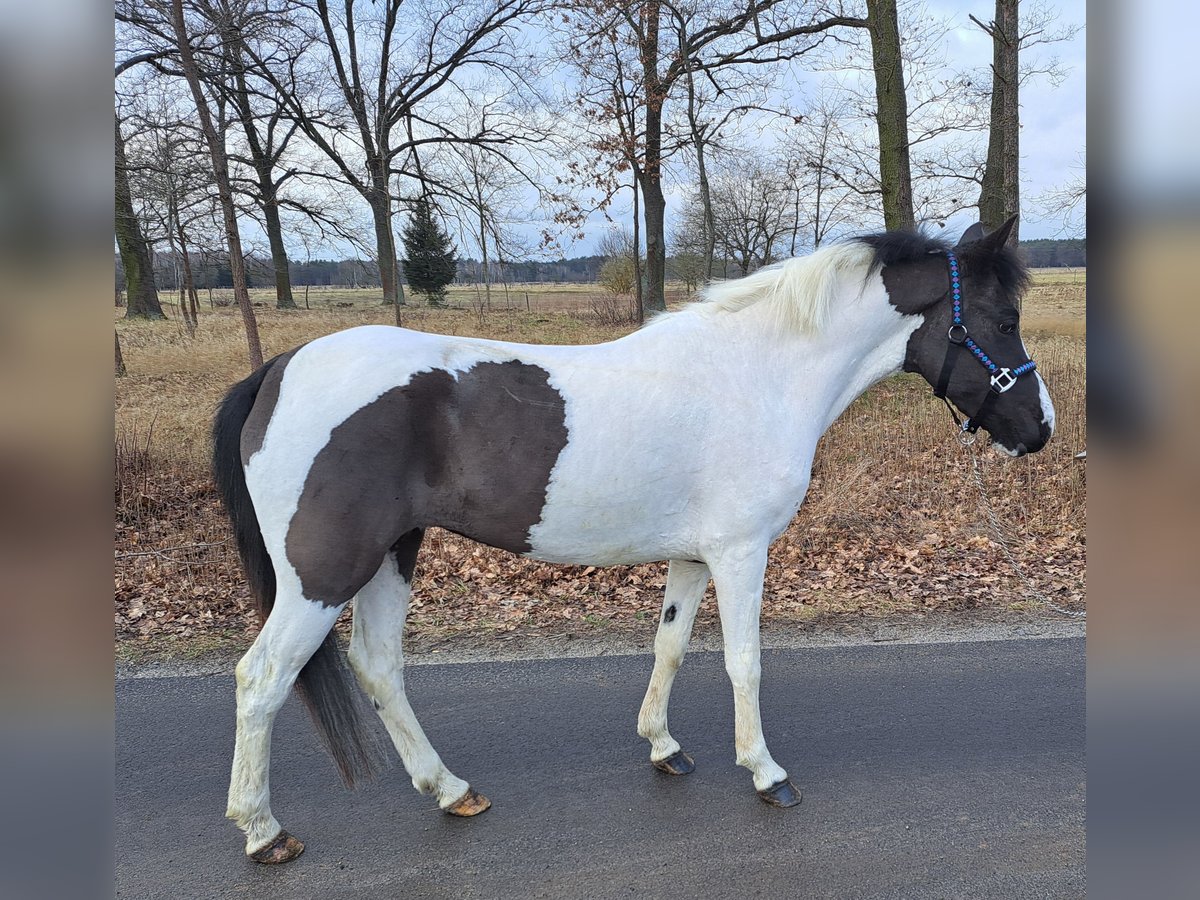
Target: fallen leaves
x=893, y=546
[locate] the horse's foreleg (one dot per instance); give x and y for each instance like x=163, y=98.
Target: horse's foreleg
x=376, y=654
x=739, y=599
x=686, y=582
x=292, y=633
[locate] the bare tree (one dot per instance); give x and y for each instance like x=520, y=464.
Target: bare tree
x=262, y=115
x=1068, y=201
x=823, y=199
x=141, y=291
x=751, y=212
x=709, y=37
x=216, y=148
x=943, y=114
x=714, y=97
x=172, y=182
x=391, y=67
x=483, y=190
x=610, y=102
x=1012, y=31
x=891, y=114
x=618, y=276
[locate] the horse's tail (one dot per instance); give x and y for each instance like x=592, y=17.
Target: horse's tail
x=323, y=683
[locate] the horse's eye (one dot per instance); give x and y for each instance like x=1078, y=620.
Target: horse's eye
x=1008, y=327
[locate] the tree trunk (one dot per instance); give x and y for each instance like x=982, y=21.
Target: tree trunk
x=234, y=54
x=140, y=290
x=698, y=142
x=188, y=296
x=654, y=299
x=173, y=233
x=485, y=274
x=637, y=255
x=216, y=148
x=1000, y=196
x=895, y=174
x=279, y=257
x=119, y=367
x=385, y=247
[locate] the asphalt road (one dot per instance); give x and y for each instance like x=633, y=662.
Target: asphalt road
x=938, y=770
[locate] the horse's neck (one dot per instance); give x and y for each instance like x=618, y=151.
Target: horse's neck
x=821, y=374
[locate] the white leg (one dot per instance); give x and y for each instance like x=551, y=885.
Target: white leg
x=739, y=583
x=686, y=582
x=293, y=631
x=377, y=656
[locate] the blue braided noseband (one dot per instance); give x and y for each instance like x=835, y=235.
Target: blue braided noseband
x=1002, y=379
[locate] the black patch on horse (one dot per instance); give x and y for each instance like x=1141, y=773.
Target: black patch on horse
x=669, y=615
x=472, y=454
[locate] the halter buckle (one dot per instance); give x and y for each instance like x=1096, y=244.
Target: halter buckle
x=1003, y=380
x=957, y=333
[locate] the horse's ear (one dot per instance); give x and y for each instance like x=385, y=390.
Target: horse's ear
x=974, y=233
x=999, y=237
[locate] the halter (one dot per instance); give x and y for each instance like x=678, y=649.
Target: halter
x=1002, y=379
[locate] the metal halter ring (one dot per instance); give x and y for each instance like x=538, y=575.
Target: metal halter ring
x=957, y=333
x=1003, y=380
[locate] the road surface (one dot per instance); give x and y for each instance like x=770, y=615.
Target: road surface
x=935, y=770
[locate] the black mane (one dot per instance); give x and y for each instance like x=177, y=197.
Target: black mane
x=894, y=247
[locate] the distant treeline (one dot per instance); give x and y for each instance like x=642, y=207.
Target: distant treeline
x=211, y=270
x=1045, y=253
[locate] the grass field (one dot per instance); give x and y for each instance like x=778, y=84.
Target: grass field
x=891, y=526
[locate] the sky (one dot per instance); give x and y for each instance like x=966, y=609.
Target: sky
x=1053, y=137
x=1054, y=119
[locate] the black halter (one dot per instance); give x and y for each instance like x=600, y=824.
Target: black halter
x=1002, y=378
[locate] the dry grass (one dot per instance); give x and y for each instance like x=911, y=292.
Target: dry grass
x=1057, y=303
x=891, y=525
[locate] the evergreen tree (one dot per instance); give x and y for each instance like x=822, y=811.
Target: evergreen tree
x=429, y=263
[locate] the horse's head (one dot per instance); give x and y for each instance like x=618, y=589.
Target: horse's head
x=971, y=351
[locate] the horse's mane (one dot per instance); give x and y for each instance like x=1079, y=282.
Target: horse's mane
x=1005, y=263
x=799, y=292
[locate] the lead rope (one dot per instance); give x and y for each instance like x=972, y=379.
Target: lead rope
x=967, y=441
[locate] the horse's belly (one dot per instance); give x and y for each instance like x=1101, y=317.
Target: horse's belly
x=616, y=524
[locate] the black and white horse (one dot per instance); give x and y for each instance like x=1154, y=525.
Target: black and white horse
x=690, y=440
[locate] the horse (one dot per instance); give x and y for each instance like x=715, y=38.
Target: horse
x=689, y=440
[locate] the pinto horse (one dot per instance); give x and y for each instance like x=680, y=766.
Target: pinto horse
x=690, y=440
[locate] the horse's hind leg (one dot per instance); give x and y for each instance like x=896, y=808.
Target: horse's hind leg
x=376, y=654
x=686, y=582
x=292, y=633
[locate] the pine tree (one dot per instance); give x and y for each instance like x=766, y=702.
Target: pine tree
x=429, y=263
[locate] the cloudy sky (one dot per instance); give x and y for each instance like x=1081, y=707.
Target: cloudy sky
x=1053, y=134
x=1054, y=118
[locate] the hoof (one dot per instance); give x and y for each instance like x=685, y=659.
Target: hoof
x=678, y=763
x=783, y=795
x=283, y=849
x=469, y=804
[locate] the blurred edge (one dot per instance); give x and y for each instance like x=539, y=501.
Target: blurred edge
x=56, y=681
x=56, y=265
x=1144, y=484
